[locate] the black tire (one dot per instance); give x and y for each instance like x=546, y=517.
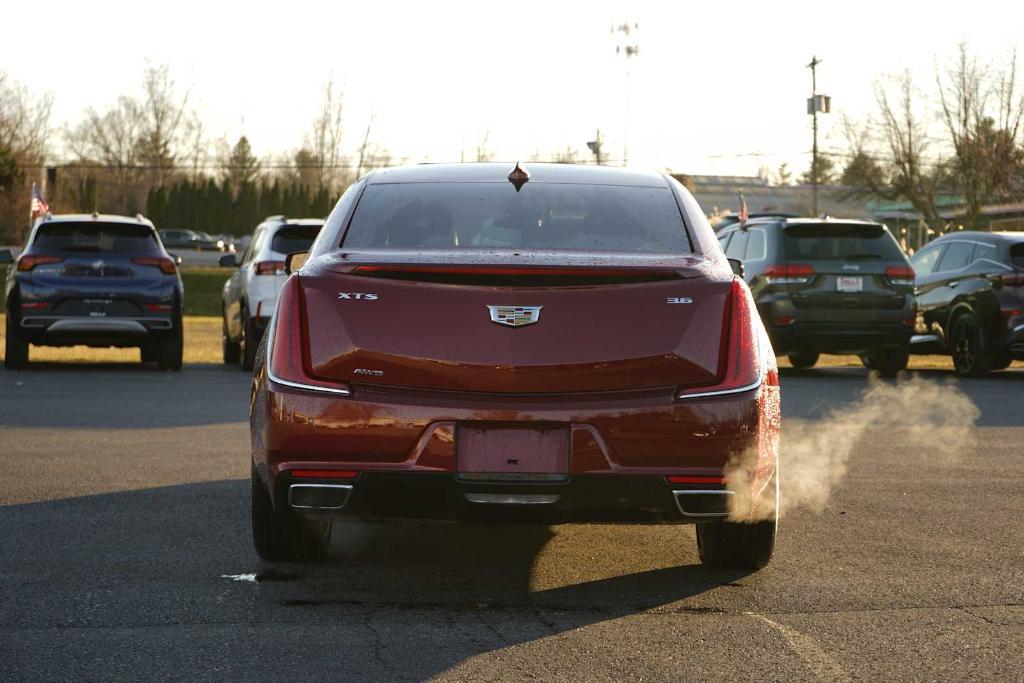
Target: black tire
x=969, y=347
x=802, y=360
x=148, y=352
x=281, y=535
x=739, y=545
x=886, y=362
x=16, y=356
x=250, y=342
x=171, y=349
x=231, y=350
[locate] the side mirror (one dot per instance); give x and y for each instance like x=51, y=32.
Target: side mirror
x=176, y=259
x=737, y=267
x=294, y=262
x=6, y=256
x=227, y=261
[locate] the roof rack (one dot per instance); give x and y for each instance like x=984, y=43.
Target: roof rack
x=281, y=218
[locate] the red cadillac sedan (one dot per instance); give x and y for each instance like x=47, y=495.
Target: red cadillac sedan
x=496, y=342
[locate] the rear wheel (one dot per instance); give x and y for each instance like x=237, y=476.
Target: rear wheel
x=171, y=349
x=739, y=545
x=279, y=534
x=230, y=349
x=803, y=359
x=887, y=362
x=968, y=345
x=250, y=341
x=16, y=356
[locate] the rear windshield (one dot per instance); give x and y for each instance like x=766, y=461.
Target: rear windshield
x=120, y=238
x=539, y=216
x=1017, y=255
x=838, y=242
x=294, y=239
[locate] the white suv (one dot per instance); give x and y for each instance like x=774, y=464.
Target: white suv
x=250, y=295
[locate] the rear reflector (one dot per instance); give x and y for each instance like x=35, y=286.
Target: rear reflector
x=158, y=308
x=694, y=479
x=165, y=264
x=902, y=276
x=789, y=274
x=29, y=261
x=287, y=364
x=783, y=320
x=33, y=305
x=324, y=474
x=270, y=268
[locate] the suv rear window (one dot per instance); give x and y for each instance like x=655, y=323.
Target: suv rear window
x=294, y=239
x=839, y=242
x=573, y=217
x=120, y=238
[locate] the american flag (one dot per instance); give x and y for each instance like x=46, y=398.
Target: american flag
x=39, y=207
x=744, y=213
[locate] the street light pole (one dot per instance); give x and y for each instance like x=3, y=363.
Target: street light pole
x=815, y=104
x=628, y=51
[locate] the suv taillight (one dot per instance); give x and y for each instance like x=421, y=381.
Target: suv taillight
x=165, y=264
x=1012, y=279
x=287, y=364
x=270, y=268
x=900, y=276
x=740, y=365
x=789, y=274
x=29, y=261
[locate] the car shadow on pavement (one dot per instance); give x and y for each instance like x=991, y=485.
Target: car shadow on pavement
x=166, y=562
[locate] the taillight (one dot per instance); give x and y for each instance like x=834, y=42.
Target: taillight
x=740, y=368
x=287, y=353
x=29, y=261
x=165, y=264
x=270, y=268
x=900, y=276
x=1012, y=279
x=789, y=274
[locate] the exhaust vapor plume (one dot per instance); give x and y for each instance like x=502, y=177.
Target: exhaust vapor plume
x=929, y=420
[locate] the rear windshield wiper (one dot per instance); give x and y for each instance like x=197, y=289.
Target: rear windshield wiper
x=82, y=248
x=860, y=257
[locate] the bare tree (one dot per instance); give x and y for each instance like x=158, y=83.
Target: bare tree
x=164, y=116
x=905, y=136
x=483, y=148
x=24, y=131
x=327, y=137
x=364, y=148
x=111, y=141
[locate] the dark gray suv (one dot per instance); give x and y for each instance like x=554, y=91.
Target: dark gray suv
x=828, y=286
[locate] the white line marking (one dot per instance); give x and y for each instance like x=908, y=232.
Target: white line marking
x=822, y=665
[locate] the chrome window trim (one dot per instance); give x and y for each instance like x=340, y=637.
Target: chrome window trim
x=337, y=391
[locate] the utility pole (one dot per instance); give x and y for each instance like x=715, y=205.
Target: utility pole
x=628, y=50
x=595, y=147
x=816, y=103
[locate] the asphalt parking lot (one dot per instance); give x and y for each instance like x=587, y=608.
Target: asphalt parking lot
x=125, y=554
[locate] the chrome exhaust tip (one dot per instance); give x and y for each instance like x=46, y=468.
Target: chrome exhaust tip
x=703, y=503
x=318, y=497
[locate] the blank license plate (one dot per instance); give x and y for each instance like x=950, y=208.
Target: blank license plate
x=851, y=284
x=528, y=451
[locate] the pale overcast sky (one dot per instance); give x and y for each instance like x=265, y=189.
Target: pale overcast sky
x=714, y=84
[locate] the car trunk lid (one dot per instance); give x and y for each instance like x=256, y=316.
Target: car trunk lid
x=584, y=323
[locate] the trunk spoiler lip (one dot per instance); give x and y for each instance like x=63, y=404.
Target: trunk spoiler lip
x=528, y=261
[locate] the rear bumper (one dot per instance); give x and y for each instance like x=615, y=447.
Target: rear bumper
x=68, y=330
x=578, y=498
x=838, y=337
x=403, y=445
